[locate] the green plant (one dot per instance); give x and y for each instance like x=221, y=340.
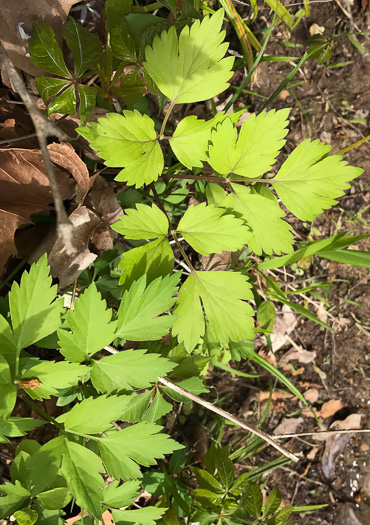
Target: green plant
x=111, y=403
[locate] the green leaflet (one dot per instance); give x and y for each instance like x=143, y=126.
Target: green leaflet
x=45, y=51
x=64, y=103
x=192, y=135
x=90, y=324
x=56, y=498
x=157, y=409
x=87, y=102
x=14, y=497
x=153, y=259
x=85, y=46
x=208, y=230
x=128, y=369
x=7, y=341
x=43, y=465
x=194, y=68
x=128, y=141
x=141, y=305
x=18, y=426
x=146, y=222
x=309, y=181
x=33, y=317
x=8, y=390
x=255, y=150
x=141, y=443
x=93, y=416
x=228, y=315
x=81, y=468
x=144, y=516
x=26, y=516
x=262, y=214
x=121, y=496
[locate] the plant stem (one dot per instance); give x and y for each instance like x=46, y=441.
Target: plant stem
x=228, y=416
x=146, y=8
x=40, y=411
x=209, y=178
x=169, y=111
x=354, y=145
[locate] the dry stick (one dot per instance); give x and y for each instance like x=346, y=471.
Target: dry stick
x=44, y=128
x=228, y=416
x=324, y=432
x=219, y=411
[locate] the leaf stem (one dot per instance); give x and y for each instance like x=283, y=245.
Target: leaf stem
x=169, y=111
x=40, y=411
x=228, y=416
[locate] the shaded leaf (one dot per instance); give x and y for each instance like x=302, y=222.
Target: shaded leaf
x=85, y=46
x=45, y=51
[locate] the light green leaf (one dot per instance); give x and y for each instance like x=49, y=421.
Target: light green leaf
x=122, y=496
x=309, y=181
x=353, y=257
x=8, y=390
x=81, y=468
x=191, y=67
x=85, y=46
x=53, y=376
x=144, y=222
x=208, y=230
x=14, y=497
x=136, y=407
x=153, y=259
x=127, y=140
x=26, y=516
x=32, y=315
x=18, y=426
x=157, y=409
x=45, y=51
x=262, y=214
x=50, y=87
x=7, y=341
x=266, y=314
x=228, y=315
x=90, y=324
x=44, y=464
x=93, y=416
x=128, y=369
x=140, y=307
x=193, y=384
x=87, y=102
x=54, y=499
x=253, y=499
x=215, y=194
x=192, y=135
x=255, y=150
x=144, y=516
x=64, y=103
x=141, y=443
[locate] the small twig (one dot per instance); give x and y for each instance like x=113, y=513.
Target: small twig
x=17, y=139
x=228, y=416
x=324, y=432
x=44, y=128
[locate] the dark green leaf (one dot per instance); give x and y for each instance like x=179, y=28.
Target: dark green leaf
x=44, y=464
x=225, y=467
x=207, y=481
x=253, y=500
x=131, y=88
x=65, y=103
x=14, y=497
x=54, y=499
x=45, y=51
x=122, y=44
x=87, y=97
x=206, y=497
x=50, y=87
x=273, y=501
x=144, y=516
x=85, y=46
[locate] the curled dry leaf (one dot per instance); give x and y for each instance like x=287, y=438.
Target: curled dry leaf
x=25, y=190
x=221, y=262
x=62, y=265
x=52, y=12
x=288, y=425
x=328, y=409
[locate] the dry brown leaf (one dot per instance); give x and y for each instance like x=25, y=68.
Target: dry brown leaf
x=303, y=356
x=52, y=12
x=311, y=395
x=107, y=518
x=264, y=395
x=284, y=325
x=328, y=409
x=298, y=372
x=62, y=265
x=219, y=262
x=65, y=156
x=288, y=425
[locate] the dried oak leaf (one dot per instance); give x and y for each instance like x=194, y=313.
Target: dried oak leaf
x=25, y=190
x=63, y=265
x=52, y=12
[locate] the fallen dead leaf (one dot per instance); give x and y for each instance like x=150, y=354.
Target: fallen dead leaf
x=220, y=262
x=62, y=265
x=284, y=325
x=312, y=453
x=264, y=395
x=328, y=409
x=321, y=312
x=65, y=156
x=311, y=395
x=288, y=425
x=52, y=12
x=298, y=372
x=303, y=356
x=107, y=518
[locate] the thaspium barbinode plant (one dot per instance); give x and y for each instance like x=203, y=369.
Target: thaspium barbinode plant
x=113, y=402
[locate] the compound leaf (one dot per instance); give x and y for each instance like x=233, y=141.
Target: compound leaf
x=255, y=150
x=208, y=230
x=141, y=305
x=190, y=67
x=91, y=327
x=144, y=516
x=228, y=315
x=85, y=46
x=81, y=469
x=146, y=222
x=128, y=369
x=141, y=443
x=14, y=497
x=308, y=181
x=153, y=259
x=45, y=51
x=262, y=214
x=93, y=416
x=33, y=317
x=128, y=141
